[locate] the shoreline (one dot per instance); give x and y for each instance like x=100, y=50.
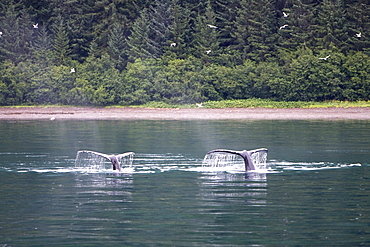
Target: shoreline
x=130, y=113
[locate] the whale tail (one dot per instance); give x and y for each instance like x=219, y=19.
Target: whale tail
x=91, y=159
x=250, y=158
x=115, y=163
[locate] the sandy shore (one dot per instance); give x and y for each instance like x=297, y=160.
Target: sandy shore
x=90, y=113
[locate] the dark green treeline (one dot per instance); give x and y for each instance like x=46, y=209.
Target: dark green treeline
x=104, y=52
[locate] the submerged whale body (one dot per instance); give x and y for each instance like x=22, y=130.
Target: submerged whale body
x=245, y=154
x=114, y=159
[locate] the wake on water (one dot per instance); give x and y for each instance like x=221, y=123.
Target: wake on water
x=153, y=163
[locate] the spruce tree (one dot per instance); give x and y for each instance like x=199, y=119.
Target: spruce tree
x=206, y=44
x=358, y=17
x=16, y=28
x=105, y=14
x=117, y=46
x=226, y=11
x=179, y=33
x=139, y=42
x=77, y=24
x=61, y=47
x=162, y=18
x=330, y=27
x=299, y=20
x=255, y=30
x=42, y=47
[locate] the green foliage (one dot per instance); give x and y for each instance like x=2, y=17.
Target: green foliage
x=139, y=42
x=266, y=103
x=97, y=82
x=12, y=88
x=357, y=83
x=138, y=52
x=178, y=82
x=61, y=42
x=205, y=41
x=16, y=28
x=158, y=104
x=117, y=46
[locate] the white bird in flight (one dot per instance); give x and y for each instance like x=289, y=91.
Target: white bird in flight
x=35, y=25
x=284, y=26
x=200, y=105
x=324, y=58
x=211, y=26
x=1, y=33
x=173, y=44
x=285, y=14
x=209, y=51
x=358, y=35
x=73, y=70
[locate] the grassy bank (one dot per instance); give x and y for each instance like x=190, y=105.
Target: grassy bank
x=264, y=103
x=247, y=103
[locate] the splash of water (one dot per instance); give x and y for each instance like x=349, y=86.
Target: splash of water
x=259, y=159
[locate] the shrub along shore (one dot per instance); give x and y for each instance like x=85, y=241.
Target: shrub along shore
x=254, y=103
x=243, y=103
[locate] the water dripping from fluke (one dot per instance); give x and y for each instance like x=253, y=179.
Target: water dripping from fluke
x=92, y=160
x=252, y=160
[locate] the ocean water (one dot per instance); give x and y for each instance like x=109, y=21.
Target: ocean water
x=313, y=192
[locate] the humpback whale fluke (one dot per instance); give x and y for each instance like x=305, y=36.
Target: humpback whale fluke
x=114, y=159
x=245, y=154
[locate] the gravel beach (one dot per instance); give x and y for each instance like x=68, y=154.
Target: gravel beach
x=130, y=113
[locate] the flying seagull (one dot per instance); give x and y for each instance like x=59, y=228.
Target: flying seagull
x=211, y=26
x=114, y=159
x=1, y=33
x=358, y=35
x=284, y=26
x=173, y=44
x=285, y=14
x=200, y=105
x=73, y=70
x=35, y=25
x=209, y=51
x=324, y=58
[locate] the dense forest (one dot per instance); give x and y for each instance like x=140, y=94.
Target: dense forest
x=105, y=52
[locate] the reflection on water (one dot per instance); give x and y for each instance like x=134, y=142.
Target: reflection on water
x=314, y=188
x=232, y=188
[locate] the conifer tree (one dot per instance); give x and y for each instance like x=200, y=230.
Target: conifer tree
x=139, y=42
x=61, y=47
x=42, y=47
x=94, y=49
x=255, y=30
x=330, y=25
x=16, y=28
x=299, y=20
x=206, y=44
x=161, y=23
x=117, y=46
x=42, y=41
x=241, y=30
x=226, y=11
x=180, y=33
x=77, y=24
x=106, y=13
x=358, y=17
x=151, y=31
